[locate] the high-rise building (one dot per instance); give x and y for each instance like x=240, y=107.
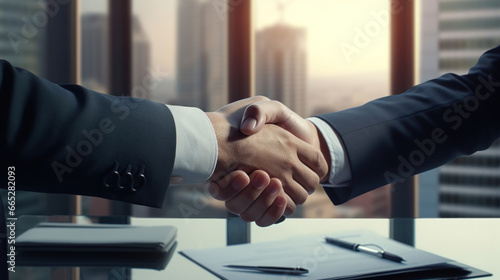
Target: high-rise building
x=467, y=28
x=460, y=32
x=94, y=51
x=95, y=58
x=22, y=33
x=189, y=53
x=23, y=42
x=428, y=182
x=141, y=60
x=281, y=74
x=214, y=58
x=281, y=65
x=201, y=55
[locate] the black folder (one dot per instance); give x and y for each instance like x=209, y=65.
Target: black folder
x=96, y=245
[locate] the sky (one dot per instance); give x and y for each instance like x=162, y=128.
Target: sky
x=343, y=36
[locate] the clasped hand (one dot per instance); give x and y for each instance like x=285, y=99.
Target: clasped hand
x=269, y=159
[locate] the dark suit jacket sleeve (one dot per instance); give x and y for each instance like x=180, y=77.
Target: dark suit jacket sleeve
x=392, y=138
x=68, y=139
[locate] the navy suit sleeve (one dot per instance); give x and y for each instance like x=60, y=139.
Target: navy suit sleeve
x=394, y=137
x=68, y=139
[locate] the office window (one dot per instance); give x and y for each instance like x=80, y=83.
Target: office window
x=24, y=30
x=94, y=45
x=315, y=58
x=22, y=47
x=180, y=58
x=321, y=57
x=454, y=34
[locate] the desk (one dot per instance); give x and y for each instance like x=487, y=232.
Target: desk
x=475, y=242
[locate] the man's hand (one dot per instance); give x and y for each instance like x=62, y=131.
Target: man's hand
x=297, y=164
x=256, y=115
x=261, y=198
x=264, y=112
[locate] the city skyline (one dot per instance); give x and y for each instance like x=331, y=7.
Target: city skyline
x=329, y=26
x=332, y=26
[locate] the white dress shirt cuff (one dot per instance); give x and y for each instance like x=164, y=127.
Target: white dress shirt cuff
x=196, y=149
x=340, y=171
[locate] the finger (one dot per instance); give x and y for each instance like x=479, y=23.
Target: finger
x=294, y=190
x=273, y=112
x=260, y=113
x=238, y=105
x=229, y=185
x=315, y=167
x=306, y=178
x=273, y=213
x=242, y=200
x=264, y=201
x=290, y=205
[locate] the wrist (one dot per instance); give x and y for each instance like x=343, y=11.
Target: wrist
x=227, y=144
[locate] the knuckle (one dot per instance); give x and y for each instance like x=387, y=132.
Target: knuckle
x=311, y=188
x=312, y=183
x=277, y=103
x=288, y=164
x=259, y=98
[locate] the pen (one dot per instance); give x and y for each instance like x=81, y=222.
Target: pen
x=364, y=249
x=272, y=269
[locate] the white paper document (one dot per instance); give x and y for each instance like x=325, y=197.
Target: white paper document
x=323, y=260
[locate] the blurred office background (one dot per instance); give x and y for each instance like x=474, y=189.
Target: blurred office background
x=315, y=56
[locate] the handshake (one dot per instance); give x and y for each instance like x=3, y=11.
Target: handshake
x=269, y=159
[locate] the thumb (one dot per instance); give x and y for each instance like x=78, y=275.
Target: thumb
x=260, y=113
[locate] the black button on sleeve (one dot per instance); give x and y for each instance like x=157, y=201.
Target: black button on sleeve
x=113, y=178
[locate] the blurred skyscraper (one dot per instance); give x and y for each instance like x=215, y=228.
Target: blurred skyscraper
x=201, y=81
x=201, y=55
x=460, y=32
x=22, y=36
x=214, y=58
x=94, y=51
x=95, y=56
x=281, y=72
x=24, y=28
x=141, y=60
